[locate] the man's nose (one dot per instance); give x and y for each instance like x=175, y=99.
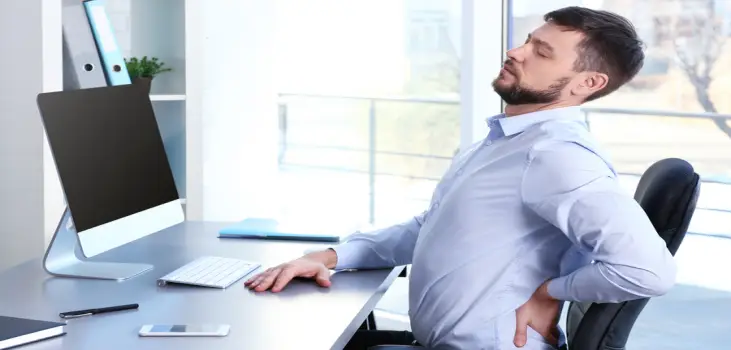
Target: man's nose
x=516, y=54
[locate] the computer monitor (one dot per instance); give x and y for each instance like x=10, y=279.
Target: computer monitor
x=115, y=174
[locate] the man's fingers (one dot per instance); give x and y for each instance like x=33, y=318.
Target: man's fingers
x=252, y=279
x=284, y=277
x=323, y=277
x=266, y=280
x=277, y=278
x=521, y=331
x=259, y=275
x=521, y=336
x=553, y=337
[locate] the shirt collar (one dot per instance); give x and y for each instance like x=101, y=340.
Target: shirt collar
x=517, y=124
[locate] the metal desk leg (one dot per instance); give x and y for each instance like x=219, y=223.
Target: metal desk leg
x=369, y=323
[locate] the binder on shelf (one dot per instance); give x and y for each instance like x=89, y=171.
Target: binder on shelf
x=112, y=60
x=82, y=66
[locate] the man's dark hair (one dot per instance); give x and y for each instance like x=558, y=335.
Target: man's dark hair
x=610, y=44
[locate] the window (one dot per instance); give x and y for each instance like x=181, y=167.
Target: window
x=676, y=107
x=369, y=106
x=429, y=32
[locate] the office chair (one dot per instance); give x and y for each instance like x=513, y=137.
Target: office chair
x=668, y=192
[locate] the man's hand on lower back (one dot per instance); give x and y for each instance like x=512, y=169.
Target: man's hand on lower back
x=540, y=313
x=314, y=265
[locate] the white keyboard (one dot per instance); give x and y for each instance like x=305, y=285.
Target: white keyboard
x=210, y=271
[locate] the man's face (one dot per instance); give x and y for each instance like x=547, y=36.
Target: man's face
x=542, y=69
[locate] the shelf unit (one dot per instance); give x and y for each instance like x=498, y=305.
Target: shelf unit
x=167, y=97
x=157, y=29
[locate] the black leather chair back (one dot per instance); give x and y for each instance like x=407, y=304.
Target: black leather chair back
x=668, y=192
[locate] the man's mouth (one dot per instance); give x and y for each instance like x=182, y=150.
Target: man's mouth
x=504, y=71
x=508, y=70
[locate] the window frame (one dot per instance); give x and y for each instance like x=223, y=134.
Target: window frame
x=484, y=43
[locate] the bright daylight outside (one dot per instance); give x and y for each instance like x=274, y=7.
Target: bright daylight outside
x=370, y=112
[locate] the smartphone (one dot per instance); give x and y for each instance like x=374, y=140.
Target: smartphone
x=178, y=330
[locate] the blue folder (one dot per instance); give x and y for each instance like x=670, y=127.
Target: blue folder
x=115, y=68
x=266, y=228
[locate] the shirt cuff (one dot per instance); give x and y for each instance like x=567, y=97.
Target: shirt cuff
x=558, y=289
x=348, y=255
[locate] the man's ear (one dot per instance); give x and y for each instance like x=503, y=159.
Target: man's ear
x=590, y=83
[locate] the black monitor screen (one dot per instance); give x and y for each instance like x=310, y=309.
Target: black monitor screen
x=109, y=153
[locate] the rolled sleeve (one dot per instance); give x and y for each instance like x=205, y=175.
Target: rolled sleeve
x=388, y=247
x=348, y=254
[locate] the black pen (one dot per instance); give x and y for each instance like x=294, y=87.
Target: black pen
x=89, y=312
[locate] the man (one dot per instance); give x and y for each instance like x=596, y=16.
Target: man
x=529, y=217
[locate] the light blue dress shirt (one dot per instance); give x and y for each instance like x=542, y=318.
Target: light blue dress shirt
x=536, y=200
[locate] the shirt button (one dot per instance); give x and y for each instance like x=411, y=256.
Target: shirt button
x=459, y=172
x=435, y=205
x=488, y=143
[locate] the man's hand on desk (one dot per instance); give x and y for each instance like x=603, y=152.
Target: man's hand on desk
x=315, y=265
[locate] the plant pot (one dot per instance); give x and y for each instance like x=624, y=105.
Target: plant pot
x=143, y=83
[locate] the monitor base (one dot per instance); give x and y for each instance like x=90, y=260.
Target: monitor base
x=99, y=270
x=65, y=259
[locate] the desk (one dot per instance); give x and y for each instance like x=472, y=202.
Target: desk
x=303, y=316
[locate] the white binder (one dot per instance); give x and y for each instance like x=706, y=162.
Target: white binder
x=82, y=66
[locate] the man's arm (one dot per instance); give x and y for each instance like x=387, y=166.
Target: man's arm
x=573, y=189
x=388, y=247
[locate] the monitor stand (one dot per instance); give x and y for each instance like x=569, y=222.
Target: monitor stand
x=64, y=257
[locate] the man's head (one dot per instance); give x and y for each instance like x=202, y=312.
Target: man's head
x=576, y=56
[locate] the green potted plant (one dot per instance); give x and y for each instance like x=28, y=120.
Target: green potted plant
x=143, y=70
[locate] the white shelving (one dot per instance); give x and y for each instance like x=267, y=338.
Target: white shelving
x=167, y=97
x=153, y=29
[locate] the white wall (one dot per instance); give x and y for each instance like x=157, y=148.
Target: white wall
x=364, y=56
x=231, y=109
x=30, y=35
x=54, y=200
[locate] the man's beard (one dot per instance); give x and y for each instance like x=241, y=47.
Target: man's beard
x=519, y=95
